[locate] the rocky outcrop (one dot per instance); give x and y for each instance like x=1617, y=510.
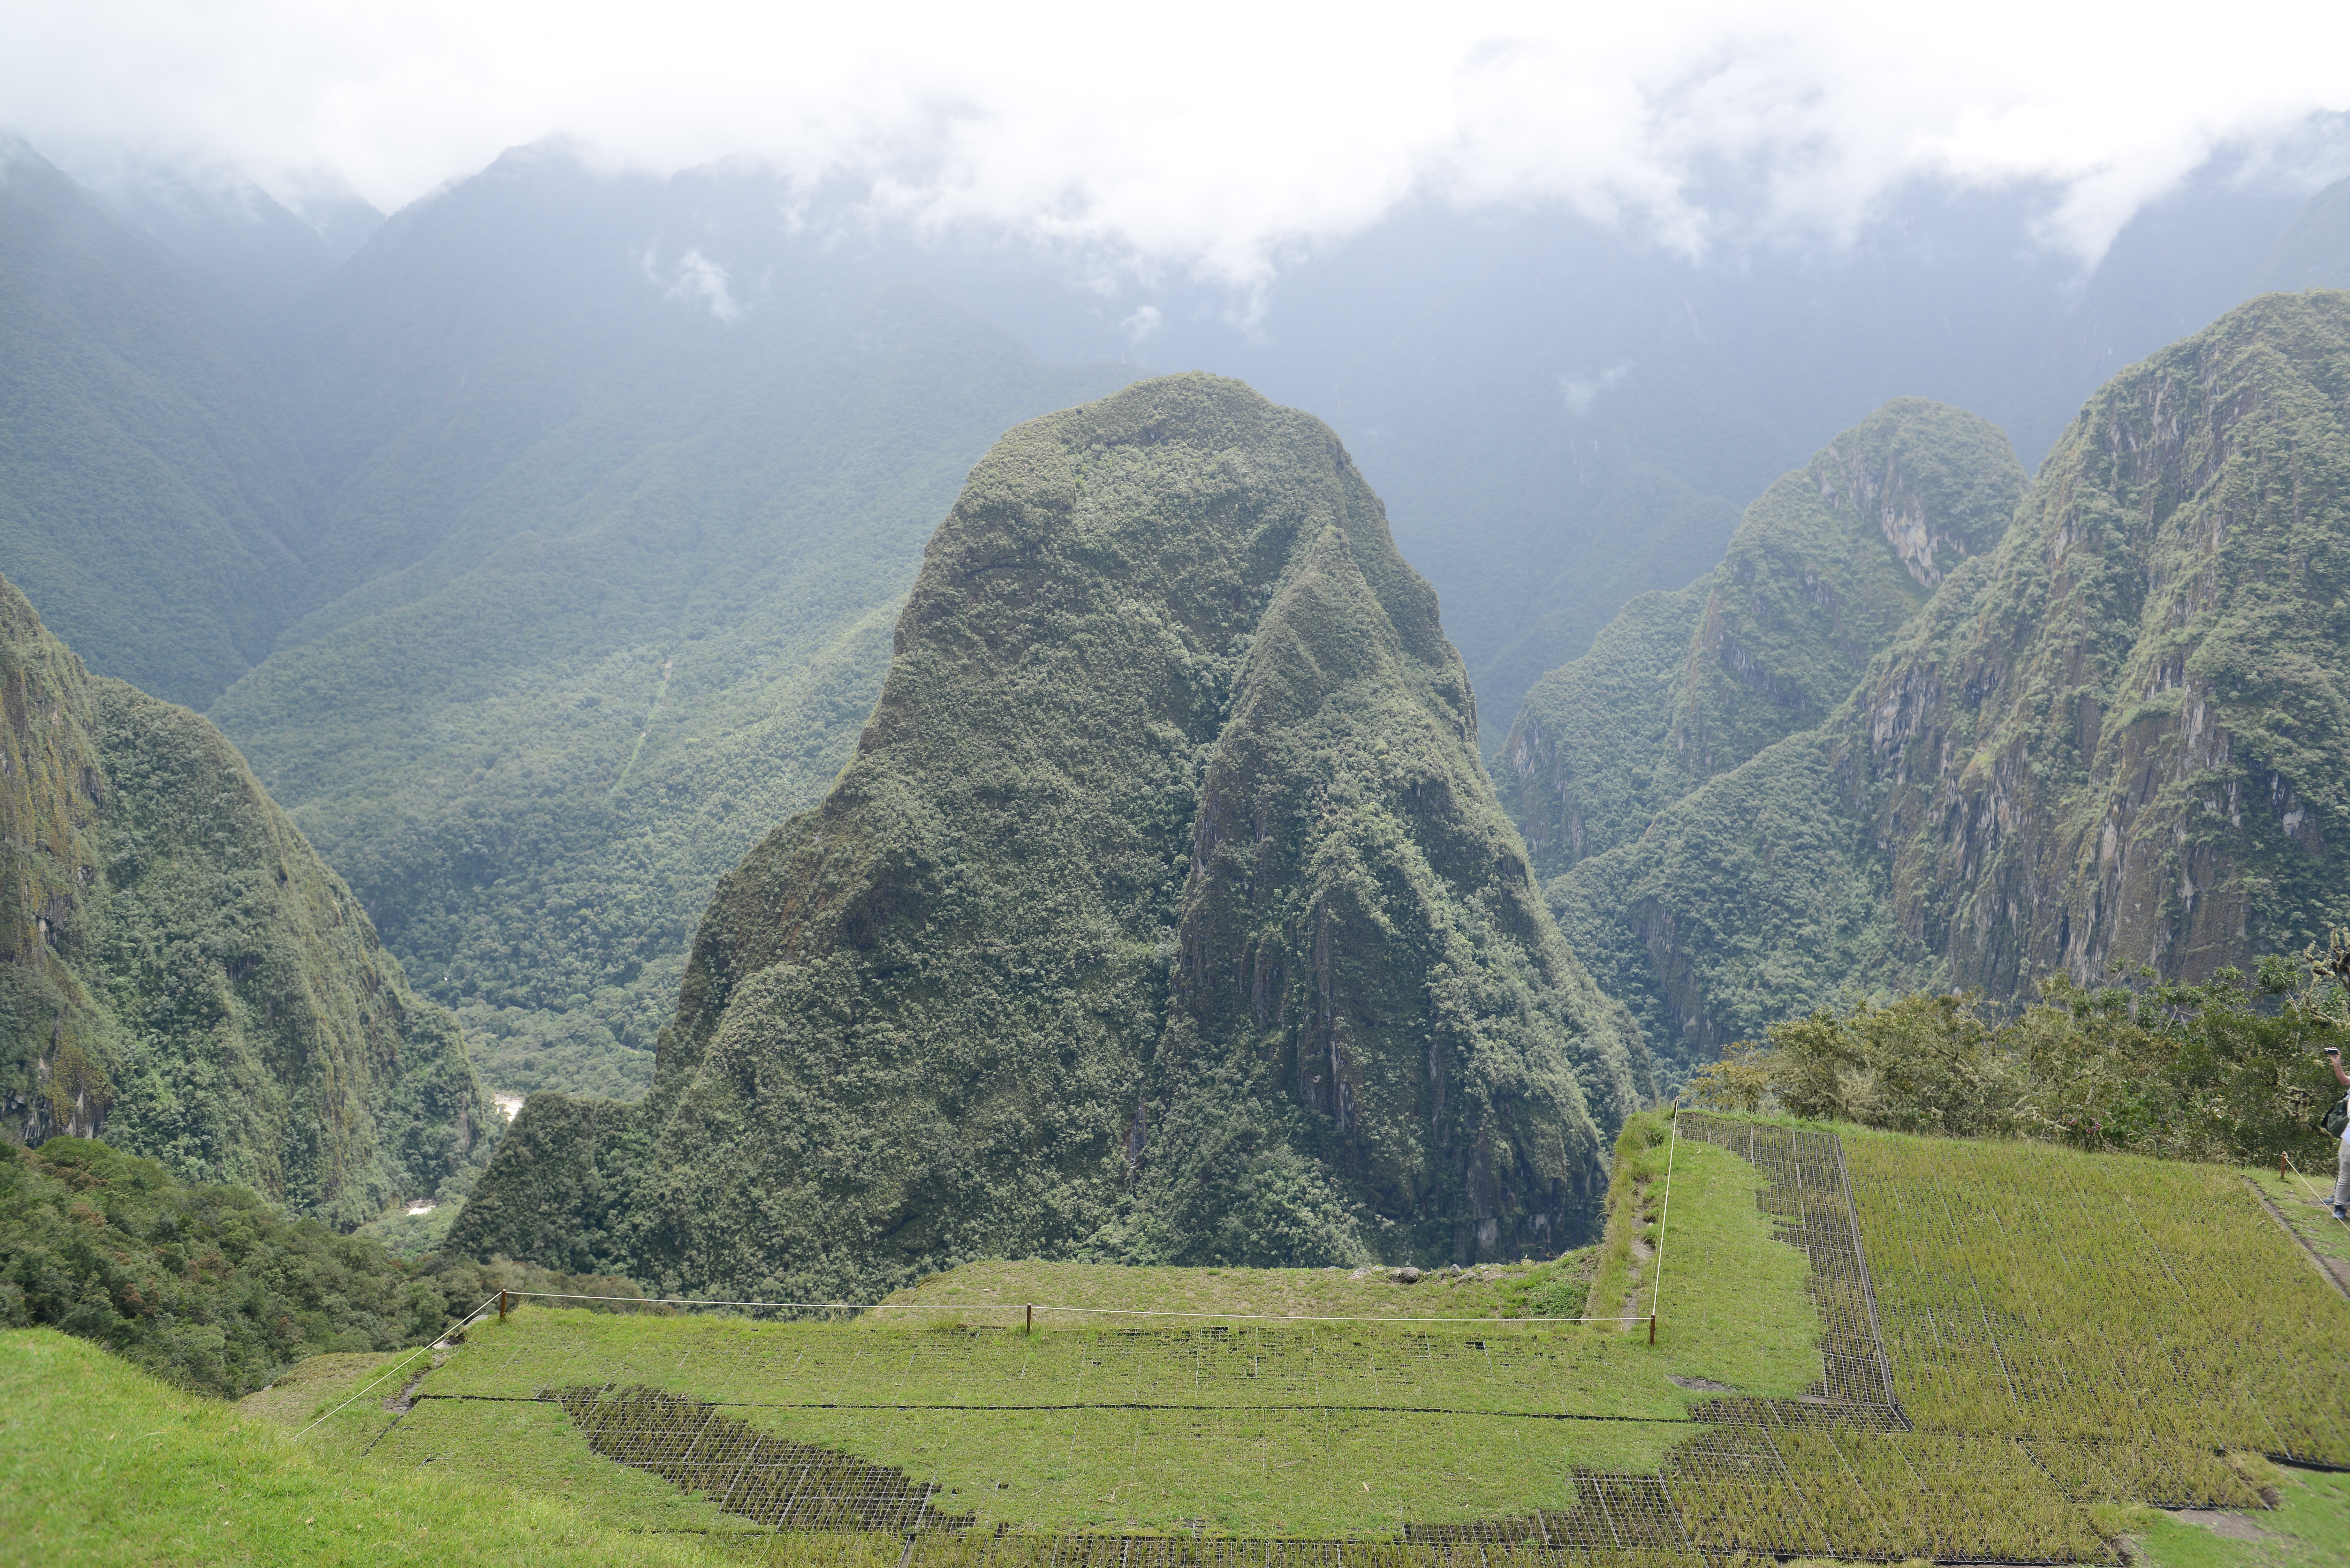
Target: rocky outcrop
x=2121, y=741
x=182, y=977
x=1165, y=910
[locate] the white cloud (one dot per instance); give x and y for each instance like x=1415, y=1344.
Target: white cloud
x=1141, y=327
x=699, y=278
x=1218, y=138
x=1581, y=391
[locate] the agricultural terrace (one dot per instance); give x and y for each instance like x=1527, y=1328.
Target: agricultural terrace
x=1866, y=1346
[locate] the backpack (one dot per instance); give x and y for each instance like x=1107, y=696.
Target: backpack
x=2336, y=1118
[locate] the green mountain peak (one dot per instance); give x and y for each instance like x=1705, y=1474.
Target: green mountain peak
x=1164, y=909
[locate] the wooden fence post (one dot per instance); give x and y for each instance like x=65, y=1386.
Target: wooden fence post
x=502, y=1305
x=1032, y=1319
x=1652, y=1328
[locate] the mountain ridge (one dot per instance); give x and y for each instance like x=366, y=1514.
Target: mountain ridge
x=2109, y=742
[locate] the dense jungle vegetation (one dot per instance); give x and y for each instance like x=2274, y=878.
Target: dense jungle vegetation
x=207, y=1285
x=2228, y=1072
x=2111, y=740
x=181, y=974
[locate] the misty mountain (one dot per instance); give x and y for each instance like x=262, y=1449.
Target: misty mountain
x=1165, y=910
x=539, y=554
x=603, y=588
x=1563, y=414
x=152, y=488
x=259, y=254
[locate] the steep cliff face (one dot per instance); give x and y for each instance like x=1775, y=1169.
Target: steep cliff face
x=1372, y=1014
x=1164, y=908
x=182, y=976
x=2122, y=741
x=2115, y=740
x=1824, y=569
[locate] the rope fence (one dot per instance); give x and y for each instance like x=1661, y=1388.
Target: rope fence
x=438, y=1342
x=1664, y=1223
x=1031, y=1308
x=2283, y=1161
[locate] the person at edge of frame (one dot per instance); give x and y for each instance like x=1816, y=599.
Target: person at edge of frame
x=2342, y=1150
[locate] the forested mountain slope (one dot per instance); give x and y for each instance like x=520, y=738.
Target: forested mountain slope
x=151, y=488
x=2113, y=741
x=1824, y=569
x=182, y=976
x=1165, y=907
x=604, y=589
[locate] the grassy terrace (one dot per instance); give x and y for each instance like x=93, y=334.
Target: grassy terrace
x=1133, y=1423
x=2068, y=1339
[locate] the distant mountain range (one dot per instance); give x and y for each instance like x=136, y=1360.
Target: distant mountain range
x=538, y=544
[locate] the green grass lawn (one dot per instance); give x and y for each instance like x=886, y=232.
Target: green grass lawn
x=100, y=1463
x=2309, y=1528
x=996, y=1291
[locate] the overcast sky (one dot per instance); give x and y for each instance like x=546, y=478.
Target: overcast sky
x=1212, y=136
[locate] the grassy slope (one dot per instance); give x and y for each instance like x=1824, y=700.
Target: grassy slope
x=1298, y=1427
x=2116, y=1296
x=100, y=1463
x=2310, y=1528
x=1005, y=1285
